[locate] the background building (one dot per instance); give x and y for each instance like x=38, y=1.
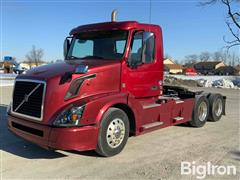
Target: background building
x=208, y=67
x=172, y=67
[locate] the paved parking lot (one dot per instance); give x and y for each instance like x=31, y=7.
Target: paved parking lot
x=156, y=155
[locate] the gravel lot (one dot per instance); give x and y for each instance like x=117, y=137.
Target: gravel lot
x=156, y=155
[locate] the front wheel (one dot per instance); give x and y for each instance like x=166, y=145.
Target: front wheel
x=113, y=133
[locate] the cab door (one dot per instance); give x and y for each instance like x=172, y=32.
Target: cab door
x=143, y=70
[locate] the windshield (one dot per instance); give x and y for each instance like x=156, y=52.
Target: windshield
x=108, y=45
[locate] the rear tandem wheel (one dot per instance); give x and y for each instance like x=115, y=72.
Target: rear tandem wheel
x=216, y=107
x=200, y=111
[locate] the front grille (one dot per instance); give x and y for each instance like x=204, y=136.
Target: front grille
x=28, y=98
x=27, y=129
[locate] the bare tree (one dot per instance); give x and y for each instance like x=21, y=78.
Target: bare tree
x=191, y=59
x=35, y=56
x=205, y=56
x=167, y=56
x=233, y=59
x=176, y=61
x=220, y=56
x=217, y=56
x=232, y=19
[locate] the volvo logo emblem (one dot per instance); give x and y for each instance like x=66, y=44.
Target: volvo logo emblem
x=26, y=97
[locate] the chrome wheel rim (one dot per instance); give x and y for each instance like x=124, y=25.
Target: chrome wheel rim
x=202, y=111
x=115, y=133
x=217, y=107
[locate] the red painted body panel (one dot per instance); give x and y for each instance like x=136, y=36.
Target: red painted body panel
x=139, y=80
x=77, y=138
x=125, y=25
x=106, y=81
x=41, y=141
x=115, y=83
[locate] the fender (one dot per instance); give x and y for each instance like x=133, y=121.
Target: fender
x=96, y=108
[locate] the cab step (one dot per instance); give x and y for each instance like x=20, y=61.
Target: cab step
x=179, y=101
x=151, y=106
x=151, y=125
x=178, y=118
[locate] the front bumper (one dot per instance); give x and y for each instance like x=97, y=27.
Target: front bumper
x=74, y=138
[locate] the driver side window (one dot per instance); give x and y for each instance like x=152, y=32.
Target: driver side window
x=142, y=48
x=135, y=55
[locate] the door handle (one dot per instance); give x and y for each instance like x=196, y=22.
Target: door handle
x=154, y=88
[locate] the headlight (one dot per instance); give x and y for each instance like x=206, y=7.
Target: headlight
x=70, y=117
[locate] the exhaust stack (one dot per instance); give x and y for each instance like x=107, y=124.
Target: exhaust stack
x=114, y=14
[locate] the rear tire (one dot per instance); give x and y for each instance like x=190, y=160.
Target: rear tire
x=200, y=112
x=215, y=107
x=113, y=133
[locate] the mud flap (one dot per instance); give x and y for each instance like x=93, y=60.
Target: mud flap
x=224, y=104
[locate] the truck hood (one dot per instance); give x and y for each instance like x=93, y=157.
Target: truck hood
x=58, y=69
x=105, y=80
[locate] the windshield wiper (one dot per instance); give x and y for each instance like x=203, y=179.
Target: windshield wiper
x=92, y=57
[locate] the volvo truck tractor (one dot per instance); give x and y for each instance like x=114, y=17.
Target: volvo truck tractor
x=109, y=87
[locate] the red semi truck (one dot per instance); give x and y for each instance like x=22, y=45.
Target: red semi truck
x=109, y=87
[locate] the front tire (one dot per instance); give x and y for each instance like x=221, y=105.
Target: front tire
x=113, y=133
x=200, y=112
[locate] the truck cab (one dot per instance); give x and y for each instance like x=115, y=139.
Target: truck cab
x=109, y=87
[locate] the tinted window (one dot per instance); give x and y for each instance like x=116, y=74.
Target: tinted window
x=148, y=49
x=98, y=45
x=83, y=48
x=136, y=48
x=143, y=48
x=120, y=46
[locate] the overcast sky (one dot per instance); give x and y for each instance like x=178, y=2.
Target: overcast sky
x=187, y=28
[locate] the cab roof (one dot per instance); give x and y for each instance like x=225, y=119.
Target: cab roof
x=123, y=25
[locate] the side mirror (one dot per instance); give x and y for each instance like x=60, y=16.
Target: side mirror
x=66, y=47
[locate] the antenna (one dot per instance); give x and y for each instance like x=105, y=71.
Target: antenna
x=150, y=11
